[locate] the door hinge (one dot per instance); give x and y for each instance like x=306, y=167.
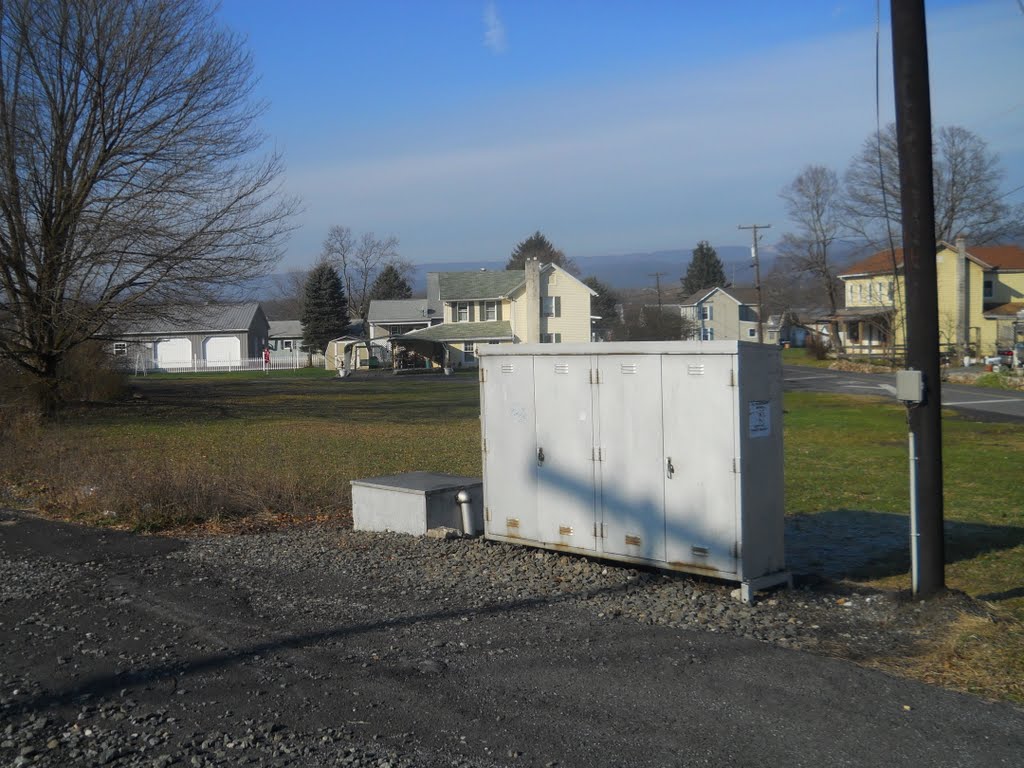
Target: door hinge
x=487, y=514
x=599, y=532
x=732, y=377
x=595, y=454
x=483, y=375
x=595, y=375
x=736, y=466
x=485, y=445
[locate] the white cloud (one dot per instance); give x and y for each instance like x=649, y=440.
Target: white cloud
x=494, y=29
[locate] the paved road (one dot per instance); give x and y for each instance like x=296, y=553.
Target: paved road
x=150, y=643
x=978, y=402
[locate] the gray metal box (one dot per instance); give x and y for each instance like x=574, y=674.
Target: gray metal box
x=414, y=502
x=909, y=386
x=662, y=453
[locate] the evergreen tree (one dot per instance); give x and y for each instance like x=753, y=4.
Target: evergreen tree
x=538, y=246
x=705, y=270
x=325, y=310
x=390, y=284
x=603, y=305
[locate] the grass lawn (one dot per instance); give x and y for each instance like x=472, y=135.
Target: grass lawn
x=252, y=448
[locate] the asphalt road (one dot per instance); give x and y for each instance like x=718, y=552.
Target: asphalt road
x=539, y=684
x=977, y=402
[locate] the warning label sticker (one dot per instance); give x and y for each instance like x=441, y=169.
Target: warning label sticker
x=760, y=421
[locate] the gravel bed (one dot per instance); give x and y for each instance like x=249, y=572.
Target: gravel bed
x=400, y=571
x=370, y=579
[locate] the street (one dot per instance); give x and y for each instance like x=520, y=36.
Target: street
x=977, y=402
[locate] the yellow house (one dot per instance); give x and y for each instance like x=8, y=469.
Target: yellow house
x=541, y=303
x=980, y=299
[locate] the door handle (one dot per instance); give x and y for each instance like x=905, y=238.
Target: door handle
x=540, y=456
x=669, y=469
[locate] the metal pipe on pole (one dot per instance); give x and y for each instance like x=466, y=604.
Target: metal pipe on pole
x=914, y=144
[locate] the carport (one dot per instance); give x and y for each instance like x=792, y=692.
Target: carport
x=449, y=344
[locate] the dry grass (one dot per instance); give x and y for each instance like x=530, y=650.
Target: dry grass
x=981, y=655
x=237, y=452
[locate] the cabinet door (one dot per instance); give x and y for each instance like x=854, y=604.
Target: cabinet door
x=510, y=467
x=699, y=405
x=631, y=466
x=565, y=450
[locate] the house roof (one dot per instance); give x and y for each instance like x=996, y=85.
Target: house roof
x=696, y=298
x=855, y=313
x=286, y=329
x=484, y=284
x=196, y=318
x=1012, y=309
x=746, y=296
x=1009, y=258
x=402, y=311
x=479, y=285
x=494, y=330
x=1002, y=257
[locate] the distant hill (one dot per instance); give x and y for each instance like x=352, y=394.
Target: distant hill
x=622, y=271
x=626, y=270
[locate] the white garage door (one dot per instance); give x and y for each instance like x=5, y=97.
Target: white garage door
x=170, y=352
x=223, y=350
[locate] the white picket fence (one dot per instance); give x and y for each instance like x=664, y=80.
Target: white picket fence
x=278, y=362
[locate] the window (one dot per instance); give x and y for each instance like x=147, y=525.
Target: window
x=286, y=344
x=550, y=306
x=468, y=352
x=120, y=348
x=707, y=334
x=987, y=290
x=707, y=312
x=490, y=310
x=461, y=312
x=551, y=338
x=752, y=332
x=853, y=332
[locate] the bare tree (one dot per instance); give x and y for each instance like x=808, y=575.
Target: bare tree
x=130, y=172
x=287, y=295
x=967, y=178
x=811, y=203
x=360, y=262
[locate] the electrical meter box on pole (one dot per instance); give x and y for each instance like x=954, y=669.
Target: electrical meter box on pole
x=667, y=454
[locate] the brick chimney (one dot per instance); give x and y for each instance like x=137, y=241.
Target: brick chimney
x=532, y=301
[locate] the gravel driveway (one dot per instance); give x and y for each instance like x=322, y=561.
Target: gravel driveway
x=324, y=647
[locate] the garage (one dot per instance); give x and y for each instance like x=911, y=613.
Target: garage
x=222, y=350
x=172, y=352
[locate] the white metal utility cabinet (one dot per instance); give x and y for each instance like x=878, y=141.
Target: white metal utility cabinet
x=662, y=453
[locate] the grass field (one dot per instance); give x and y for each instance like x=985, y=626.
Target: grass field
x=254, y=449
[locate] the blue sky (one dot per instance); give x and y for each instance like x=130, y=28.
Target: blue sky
x=462, y=127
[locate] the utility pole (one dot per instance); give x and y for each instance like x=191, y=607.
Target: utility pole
x=914, y=144
x=757, y=277
x=657, y=287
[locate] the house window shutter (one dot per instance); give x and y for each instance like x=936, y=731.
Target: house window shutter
x=472, y=311
x=558, y=306
x=497, y=310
